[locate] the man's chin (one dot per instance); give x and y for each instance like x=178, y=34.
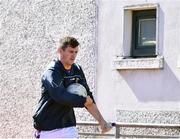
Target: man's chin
x=72, y=62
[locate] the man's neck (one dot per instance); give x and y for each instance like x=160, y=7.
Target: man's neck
x=66, y=66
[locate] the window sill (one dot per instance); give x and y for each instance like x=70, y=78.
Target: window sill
x=121, y=63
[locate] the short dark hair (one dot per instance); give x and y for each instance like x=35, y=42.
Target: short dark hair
x=68, y=41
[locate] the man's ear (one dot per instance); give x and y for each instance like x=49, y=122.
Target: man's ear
x=59, y=50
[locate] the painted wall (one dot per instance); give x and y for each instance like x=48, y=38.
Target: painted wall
x=29, y=33
x=143, y=90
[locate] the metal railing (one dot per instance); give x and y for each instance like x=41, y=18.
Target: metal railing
x=119, y=125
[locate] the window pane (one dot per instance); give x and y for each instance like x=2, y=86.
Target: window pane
x=147, y=32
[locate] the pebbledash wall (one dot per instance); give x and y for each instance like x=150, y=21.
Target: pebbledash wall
x=126, y=90
x=29, y=33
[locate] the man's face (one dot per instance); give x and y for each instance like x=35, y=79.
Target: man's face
x=68, y=55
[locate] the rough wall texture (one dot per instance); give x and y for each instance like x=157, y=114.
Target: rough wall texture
x=29, y=31
x=149, y=117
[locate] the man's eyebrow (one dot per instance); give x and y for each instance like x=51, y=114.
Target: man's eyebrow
x=73, y=51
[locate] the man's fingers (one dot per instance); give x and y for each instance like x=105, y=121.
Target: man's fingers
x=106, y=130
x=107, y=127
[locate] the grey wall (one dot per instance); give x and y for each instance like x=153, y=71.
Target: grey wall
x=29, y=32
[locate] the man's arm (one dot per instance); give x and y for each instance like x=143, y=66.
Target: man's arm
x=93, y=110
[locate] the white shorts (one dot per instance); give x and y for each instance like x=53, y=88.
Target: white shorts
x=68, y=132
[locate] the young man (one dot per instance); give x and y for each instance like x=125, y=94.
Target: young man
x=54, y=116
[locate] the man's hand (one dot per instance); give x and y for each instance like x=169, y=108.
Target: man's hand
x=88, y=102
x=105, y=127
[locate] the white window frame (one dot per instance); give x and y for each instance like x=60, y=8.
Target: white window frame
x=125, y=61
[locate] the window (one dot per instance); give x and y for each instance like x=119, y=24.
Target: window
x=144, y=33
x=141, y=48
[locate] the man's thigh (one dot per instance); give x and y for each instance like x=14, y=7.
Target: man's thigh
x=69, y=132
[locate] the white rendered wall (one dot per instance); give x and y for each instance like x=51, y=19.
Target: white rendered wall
x=137, y=89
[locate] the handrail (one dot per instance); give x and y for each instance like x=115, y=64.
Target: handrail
x=118, y=125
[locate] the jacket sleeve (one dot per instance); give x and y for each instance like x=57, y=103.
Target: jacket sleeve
x=84, y=82
x=53, y=82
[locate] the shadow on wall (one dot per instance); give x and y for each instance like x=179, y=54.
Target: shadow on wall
x=153, y=85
